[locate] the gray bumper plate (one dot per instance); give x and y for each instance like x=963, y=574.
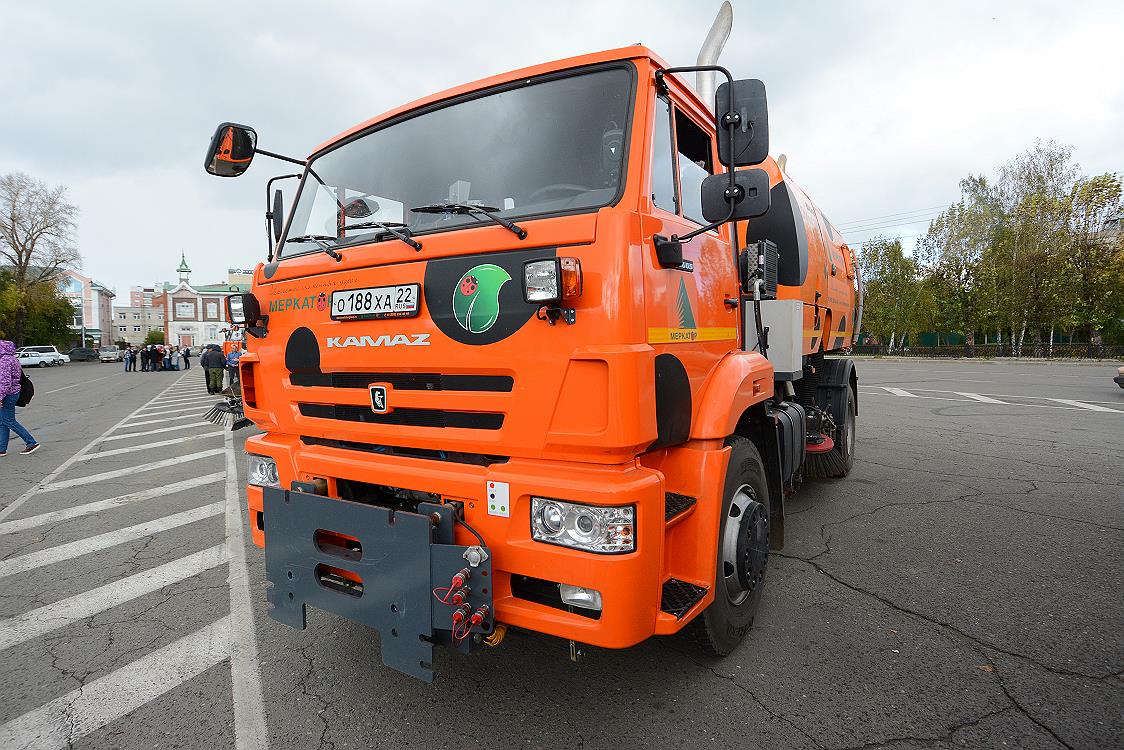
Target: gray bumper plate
x=403, y=557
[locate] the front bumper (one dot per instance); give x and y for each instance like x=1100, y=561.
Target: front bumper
x=630, y=584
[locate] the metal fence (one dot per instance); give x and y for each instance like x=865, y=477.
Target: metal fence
x=1030, y=350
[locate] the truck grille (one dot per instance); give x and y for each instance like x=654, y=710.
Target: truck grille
x=406, y=417
x=406, y=381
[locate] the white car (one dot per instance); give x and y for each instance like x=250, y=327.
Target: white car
x=51, y=354
x=34, y=359
x=110, y=354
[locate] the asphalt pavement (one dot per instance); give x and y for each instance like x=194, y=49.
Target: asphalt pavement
x=962, y=588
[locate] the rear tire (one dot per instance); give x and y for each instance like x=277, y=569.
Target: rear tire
x=43, y=364
x=743, y=554
x=838, y=461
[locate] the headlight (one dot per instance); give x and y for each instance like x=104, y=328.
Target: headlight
x=552, y=280
x=262, y=472
x=594, y=528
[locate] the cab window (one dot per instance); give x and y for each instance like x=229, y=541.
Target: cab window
x=693, y=147
x=663, y=159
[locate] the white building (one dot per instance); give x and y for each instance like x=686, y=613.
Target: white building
x=196, y=315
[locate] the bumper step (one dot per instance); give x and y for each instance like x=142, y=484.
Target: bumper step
x=676, y=505
x=679, y=596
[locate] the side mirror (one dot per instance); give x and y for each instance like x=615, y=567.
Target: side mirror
x=751, y=197
x=278, y=215
x=231, y=151
x=751, y=114
x=243, y=309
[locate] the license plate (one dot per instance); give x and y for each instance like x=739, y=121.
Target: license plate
x=373, y=303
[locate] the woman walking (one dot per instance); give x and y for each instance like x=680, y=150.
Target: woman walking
x=9, y=393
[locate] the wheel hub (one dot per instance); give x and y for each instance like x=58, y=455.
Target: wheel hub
x=745, y=545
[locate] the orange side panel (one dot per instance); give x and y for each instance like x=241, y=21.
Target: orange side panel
x=740, y=380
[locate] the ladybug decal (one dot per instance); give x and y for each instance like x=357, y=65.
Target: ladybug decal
x=468, y=285
x=321, y=302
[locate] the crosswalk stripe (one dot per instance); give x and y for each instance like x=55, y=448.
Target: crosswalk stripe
x=146, y=446
x=37, y=622
x=23, y=524
x=164, y=420
x=71, y=550
x=67, y=718
x=980, y=398
x=183, y=399
x=130, y=470
x=177, y=428
x=1084, y=405
x=899, y=392
x=170, y=411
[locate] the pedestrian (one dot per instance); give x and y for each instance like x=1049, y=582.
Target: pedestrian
x=144, y=358
x=213, y=364
x=187, y=358
x=232, y=367
x=131, y=359
x=177, y=359
x=10, y=375
x=159, y=358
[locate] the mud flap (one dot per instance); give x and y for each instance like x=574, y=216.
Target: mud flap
x=371, y=565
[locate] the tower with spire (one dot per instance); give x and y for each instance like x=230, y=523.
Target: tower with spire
x=183, y=270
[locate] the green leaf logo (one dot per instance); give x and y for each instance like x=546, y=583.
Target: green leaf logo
x=686, y=316
x=476, y=298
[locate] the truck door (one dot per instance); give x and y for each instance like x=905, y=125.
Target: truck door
x=688, y=323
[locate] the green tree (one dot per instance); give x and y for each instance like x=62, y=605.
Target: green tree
x=154, y=337
x=894, y=300
x=46, y=314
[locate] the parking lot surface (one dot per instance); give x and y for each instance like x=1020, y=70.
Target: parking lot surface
x=962, y=588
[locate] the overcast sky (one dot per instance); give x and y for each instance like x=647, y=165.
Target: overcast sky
x=881, y=107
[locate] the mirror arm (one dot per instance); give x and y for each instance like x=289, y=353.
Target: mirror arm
x=730, y=120
x=289, y=159
x=269, y=217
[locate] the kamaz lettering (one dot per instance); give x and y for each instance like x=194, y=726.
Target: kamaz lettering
x=413, y=339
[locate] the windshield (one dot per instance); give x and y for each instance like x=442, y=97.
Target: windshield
x=552, y=146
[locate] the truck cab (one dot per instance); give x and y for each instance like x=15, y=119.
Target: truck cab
x=482, y=338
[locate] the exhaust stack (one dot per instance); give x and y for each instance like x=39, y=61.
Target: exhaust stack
x=710, y=51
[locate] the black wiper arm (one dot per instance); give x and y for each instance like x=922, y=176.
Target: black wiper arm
x=469, y=208
x=320, y=239
x=397, y=228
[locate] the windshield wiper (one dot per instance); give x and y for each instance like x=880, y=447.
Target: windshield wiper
x=392, y=227
x=320, y=239
x=468, y=208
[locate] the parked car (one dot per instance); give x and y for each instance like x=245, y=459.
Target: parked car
x=33, y=359
x=52, y=355
x=83, y=354
x=110, y=354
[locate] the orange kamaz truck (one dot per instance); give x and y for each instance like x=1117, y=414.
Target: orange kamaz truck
x=544, y=351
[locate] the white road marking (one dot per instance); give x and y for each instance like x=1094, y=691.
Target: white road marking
x=37, y=622
x=195, y=408
x=71, y=550
x=15, y=504
x=898, y=392
x=22, y=524
x=67, y=718
x=165, y=420
x=184, y=399
x=249, y=706
x=75, y=385
x=1083, y=405
x=146, y=446
x=175, y=461
x=874, y=391
x=981, y=399
x=177, y=428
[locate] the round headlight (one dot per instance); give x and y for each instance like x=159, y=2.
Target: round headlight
x=552, y=518
x=586, y=526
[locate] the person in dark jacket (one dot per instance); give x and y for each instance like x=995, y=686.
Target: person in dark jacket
x=10, y=372
x=213, y=364
x=187, y=358
x=143, y=358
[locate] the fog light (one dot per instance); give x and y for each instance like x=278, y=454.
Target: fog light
x=578, y=596
x=594, y=528
x=262, y=472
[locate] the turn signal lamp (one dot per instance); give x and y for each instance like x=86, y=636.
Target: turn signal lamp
x=550, y=281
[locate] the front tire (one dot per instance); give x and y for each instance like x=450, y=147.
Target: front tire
x=43, y=364
x=743, y=554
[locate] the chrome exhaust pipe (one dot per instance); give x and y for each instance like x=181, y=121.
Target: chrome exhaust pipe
x=711, y=50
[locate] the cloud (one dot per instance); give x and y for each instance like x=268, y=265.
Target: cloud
x=881, y=107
